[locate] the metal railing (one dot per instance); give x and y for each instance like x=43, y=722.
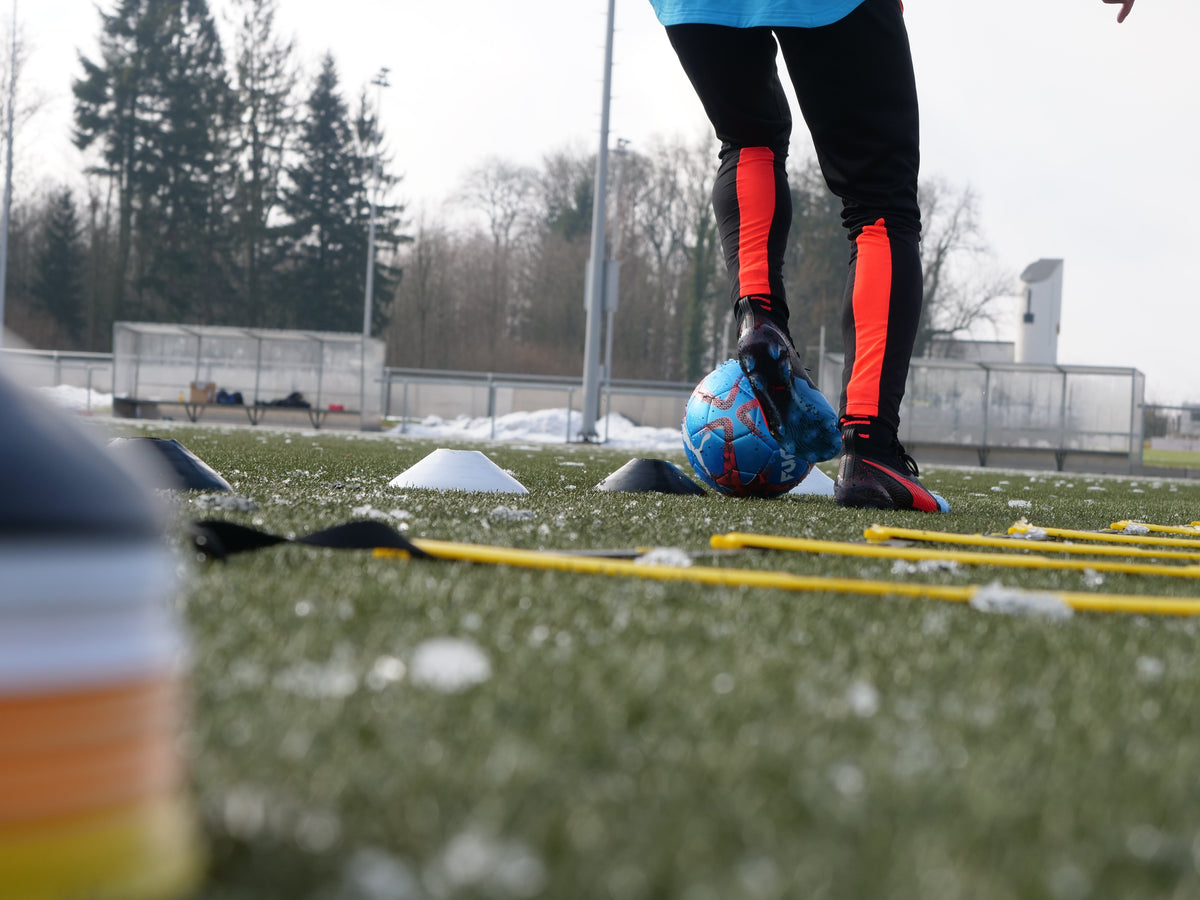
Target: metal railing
x=52, y=368
x=1003, y=413
x=412, y=394
x=992, y=411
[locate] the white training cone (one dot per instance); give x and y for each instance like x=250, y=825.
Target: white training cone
x=815, y=484
x=458, y=470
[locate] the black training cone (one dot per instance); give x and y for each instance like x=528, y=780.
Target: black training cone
x=56, y=479
x=645, y=475
x=184, y=470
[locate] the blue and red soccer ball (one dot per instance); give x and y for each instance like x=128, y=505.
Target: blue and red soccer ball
x=726, y=439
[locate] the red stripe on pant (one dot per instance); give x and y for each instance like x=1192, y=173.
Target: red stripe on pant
x=871, y=303
x=756, y=213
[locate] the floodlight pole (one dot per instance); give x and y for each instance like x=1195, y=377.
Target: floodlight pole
x=594, y=290
x=611, y=276
x=8, y=169
x=380, y=81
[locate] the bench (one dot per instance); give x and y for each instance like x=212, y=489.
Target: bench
x=133, y=408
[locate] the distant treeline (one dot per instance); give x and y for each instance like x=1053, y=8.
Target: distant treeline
x=229, y=189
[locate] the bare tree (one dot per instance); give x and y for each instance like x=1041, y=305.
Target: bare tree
x=815, y=264
x=962, y=278
x=424, y=301
x=504, y=194
x=670, y=242
x=550, y=328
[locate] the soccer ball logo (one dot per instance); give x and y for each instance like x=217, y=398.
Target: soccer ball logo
x=727, y=442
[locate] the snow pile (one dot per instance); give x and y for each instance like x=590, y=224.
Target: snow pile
x=76, y=399
x=547, y=426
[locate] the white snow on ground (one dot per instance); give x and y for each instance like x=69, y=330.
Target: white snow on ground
x=76, y=398
x=449, y=664
x=665, y=556
x=996, y=598
x=548, y=426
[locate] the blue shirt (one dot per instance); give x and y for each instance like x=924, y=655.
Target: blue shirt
x=754, y=13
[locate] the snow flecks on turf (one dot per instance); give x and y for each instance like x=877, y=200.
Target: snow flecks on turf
x=847, y=779
x=334, y=679
x=862, y=698
x=386, y=670
x=399, y=517
x=996, y=598
x=1027, y=532
x=477, y=861
x=225, y=502
x=374, y=874
x=449, y=664
x=506, y=514
x=665, y=556
x=1150, y=669
x=924, y=566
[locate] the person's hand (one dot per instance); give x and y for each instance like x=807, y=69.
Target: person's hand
x=1126, y=6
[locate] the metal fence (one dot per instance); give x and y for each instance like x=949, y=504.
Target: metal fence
x=1003, y=414
x=52, y=368
x=990, y=414
x=412, y=394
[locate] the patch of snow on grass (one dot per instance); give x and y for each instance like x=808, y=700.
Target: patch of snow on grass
x=996, y=598
x=665, y=556
x=449, y=664
x=77, y=399
x=495, y=867
x=546, y=426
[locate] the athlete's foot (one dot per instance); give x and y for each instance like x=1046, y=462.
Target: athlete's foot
x=878, y=474
x=797, y=414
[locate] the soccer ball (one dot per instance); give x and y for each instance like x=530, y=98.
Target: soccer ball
x=727, y=442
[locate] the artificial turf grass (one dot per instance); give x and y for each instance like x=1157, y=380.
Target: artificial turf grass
x=640, y=739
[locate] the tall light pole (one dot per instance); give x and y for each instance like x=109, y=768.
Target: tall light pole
x=594, y=291
x=380, y=81
x=8, y=168
x=612, y=268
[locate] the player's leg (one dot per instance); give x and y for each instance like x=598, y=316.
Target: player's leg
x=733, y=72
x=854, y=80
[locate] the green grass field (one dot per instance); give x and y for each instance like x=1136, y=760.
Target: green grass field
x=1176, y=459
x=643, y=739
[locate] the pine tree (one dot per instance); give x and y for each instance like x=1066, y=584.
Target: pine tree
x=58, y=268
x=327, y=205
x=157, y=107
x=264, y=83
x=378, y=182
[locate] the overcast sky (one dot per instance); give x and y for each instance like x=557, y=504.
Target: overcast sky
x=1078, y=135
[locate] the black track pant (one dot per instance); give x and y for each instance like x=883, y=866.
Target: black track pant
x=854, y=80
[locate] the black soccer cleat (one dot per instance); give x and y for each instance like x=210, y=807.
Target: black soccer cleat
x=797, y=414
x=880, y=475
